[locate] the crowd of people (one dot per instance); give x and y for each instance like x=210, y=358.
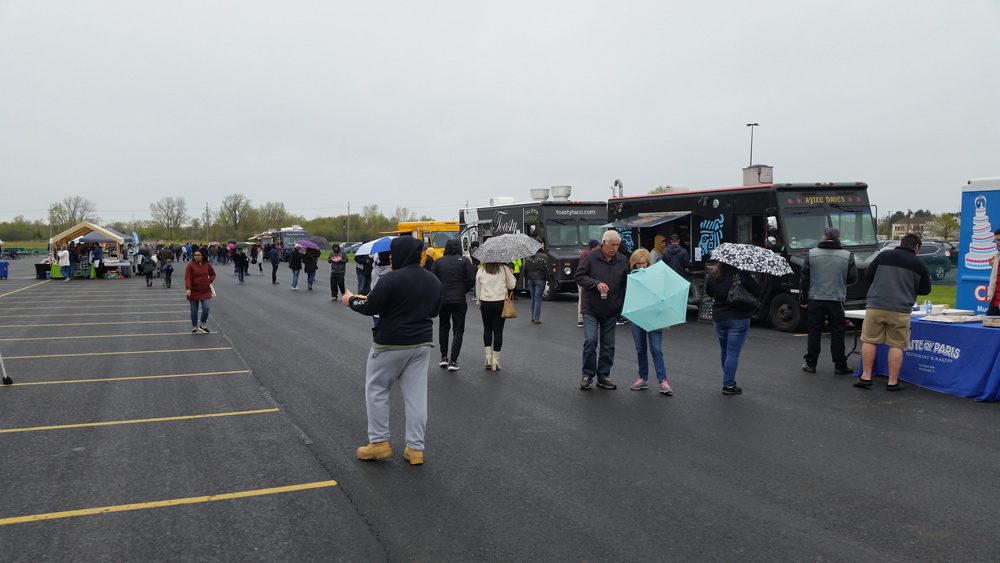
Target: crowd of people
x=403, y=290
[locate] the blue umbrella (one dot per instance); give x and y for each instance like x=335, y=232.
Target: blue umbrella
x=374, y=246
x=656, y=297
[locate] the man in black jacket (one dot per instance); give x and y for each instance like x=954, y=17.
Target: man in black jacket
x=602, y=274
x=407, y=299
x=274, y=256
x=338, y=268
x=458, y=276
x=826, y=273
x=895, y=278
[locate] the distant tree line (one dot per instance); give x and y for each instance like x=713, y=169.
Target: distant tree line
x=235, y=218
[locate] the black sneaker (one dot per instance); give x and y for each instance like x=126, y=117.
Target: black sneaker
x=586, y=382
x=843, y=371
x=195, y=330
x=606, y=383
x=444, y=362
x=808, y=368
x=453, y=366
x=862, y=384
x=579, y=324
x=731, y=390
x=204, y=329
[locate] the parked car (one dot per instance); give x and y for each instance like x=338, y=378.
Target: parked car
x=939, y=256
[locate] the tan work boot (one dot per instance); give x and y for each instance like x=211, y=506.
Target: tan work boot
x=375, y=450
x=415, y=457
x=496, y=361
x=489, y=357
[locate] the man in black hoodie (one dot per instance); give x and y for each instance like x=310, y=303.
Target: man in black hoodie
x=338, y=268
x=406, y=299
x=458, y=276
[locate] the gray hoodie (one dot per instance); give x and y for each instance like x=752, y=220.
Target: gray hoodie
x=337, y=267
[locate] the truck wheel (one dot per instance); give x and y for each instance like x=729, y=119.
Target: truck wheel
x=549, y=294
x=940, y=273
x=785, y=313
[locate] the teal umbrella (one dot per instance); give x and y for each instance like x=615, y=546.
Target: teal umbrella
x=656, y=297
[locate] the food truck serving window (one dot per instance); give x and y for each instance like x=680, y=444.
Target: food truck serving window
x=441, y=238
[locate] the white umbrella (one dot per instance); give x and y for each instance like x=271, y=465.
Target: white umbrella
x=506, y=248
x=374, y=246
x=751, y=258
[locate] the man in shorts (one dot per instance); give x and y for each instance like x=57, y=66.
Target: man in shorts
x=895, y=278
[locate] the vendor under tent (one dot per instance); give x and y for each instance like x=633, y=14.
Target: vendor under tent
x=89, y=232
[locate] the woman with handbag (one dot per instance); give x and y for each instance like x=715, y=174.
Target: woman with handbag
x=198, y=278
x=734, y=292
x=494, y=282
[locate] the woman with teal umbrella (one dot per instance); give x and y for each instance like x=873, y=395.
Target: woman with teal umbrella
x=651, y=341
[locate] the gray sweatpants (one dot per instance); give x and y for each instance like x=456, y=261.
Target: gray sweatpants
x=384, y=368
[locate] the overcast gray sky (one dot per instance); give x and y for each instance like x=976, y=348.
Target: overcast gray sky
x=431, y=104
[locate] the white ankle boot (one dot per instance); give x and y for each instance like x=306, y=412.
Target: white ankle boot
x=489, y=357
x=496, y=361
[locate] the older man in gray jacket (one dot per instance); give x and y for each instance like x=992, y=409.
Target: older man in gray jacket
x=827, y=272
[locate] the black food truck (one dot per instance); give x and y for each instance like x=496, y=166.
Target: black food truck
x=787, y=218
x=564, y=227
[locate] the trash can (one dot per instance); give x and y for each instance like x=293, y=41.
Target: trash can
x=3, y=269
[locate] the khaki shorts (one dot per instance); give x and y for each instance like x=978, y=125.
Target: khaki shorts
x=891, y=328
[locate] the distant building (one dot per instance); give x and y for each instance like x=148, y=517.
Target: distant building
x=911, y=226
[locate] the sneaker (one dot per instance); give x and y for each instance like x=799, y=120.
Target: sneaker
x=731, y=390
x=606, y=383
x=579, y=324
x=843, y=371
x=377, y=450
x=586, y=382
x=415, y=457
x=665, y=388
x=639, y=385
x=453, y=366
x=444, y=362
x=863, y=384
x=808, y=368
x=204, y=329
x=294, y=288
x=194, y=330
x=620, y=322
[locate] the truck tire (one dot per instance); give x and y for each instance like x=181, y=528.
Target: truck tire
x=785, y=313
x=940, y=272
x=549, y=294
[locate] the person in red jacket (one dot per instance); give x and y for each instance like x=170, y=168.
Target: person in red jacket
x=198, y=278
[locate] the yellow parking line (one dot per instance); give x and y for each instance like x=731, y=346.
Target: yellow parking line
x=95, y=336
x=20, y=301
x=88, y=314
x=166, y=503
x=132, y=378
x=134, y=421
x=94, y=324
x=116, y=353
x=23, y=288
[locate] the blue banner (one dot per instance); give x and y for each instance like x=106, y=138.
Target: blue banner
x=980, y=217
x=958, y=359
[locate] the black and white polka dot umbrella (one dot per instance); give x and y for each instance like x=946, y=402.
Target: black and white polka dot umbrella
x=751, y=258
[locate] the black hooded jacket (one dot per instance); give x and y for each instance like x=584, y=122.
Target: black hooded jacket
x=456, y=272
x=406, y=299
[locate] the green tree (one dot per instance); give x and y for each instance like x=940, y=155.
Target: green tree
x=169, y=213
x=945, y=226
x=233, y=213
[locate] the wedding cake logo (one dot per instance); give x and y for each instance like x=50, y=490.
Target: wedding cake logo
x=982, y=248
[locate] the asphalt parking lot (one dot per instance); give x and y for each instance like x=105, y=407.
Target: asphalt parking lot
x=122, y=426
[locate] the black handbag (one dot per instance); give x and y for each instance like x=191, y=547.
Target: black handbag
x=738, y=295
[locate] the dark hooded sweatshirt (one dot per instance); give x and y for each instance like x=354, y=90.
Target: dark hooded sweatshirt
x=406, y=299
x=456, y=272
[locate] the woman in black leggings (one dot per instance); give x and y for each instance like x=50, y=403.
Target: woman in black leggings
x=493, y=281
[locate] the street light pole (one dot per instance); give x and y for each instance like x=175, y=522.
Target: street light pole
x=751, y=126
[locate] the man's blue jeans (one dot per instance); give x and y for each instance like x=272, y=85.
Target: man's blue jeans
x=598, y=331
x=732, y=334
x=536, y=288
x=655, y=347
x=295, y=278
